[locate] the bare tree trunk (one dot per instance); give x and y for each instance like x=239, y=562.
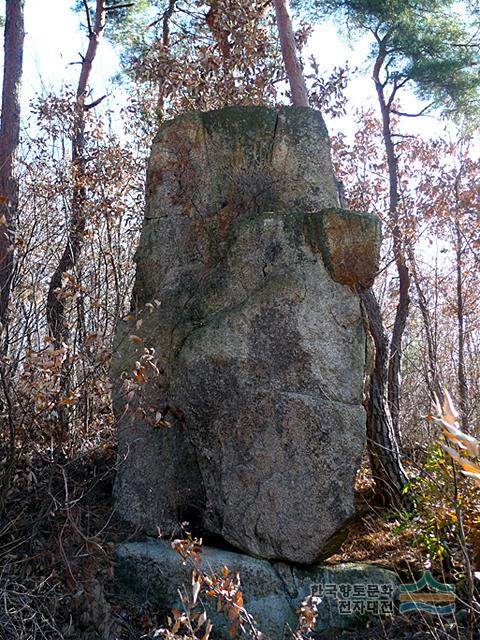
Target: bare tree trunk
x=55, y=304
x=382, y=443
x=432, y=375
x=382, y=436
x=401, y=316
x=403, y=304
x=461, y=368
x=9, y=142
x=291, y=60
x=167, y=15
x=383, y=451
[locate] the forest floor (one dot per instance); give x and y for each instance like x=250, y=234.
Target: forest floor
x=58, y=538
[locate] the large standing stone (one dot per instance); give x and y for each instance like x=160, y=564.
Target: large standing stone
x=259, y=334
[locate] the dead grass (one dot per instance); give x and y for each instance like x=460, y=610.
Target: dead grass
x=58, y=538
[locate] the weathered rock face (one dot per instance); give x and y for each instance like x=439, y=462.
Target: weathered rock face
x=258, y=332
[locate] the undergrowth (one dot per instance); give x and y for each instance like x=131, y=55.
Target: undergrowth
x=59, y=532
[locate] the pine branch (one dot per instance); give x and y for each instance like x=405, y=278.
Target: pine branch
x=124, y=5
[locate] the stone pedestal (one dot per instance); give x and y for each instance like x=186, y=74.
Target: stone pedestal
x=350, y=595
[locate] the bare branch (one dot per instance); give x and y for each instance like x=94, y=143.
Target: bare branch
x=124, y=5
x=413, y=115
x=405, y=136
x=401, y=84
x=166, y=20
x=94, y=34
x=392, y=95
x=93, y=104
x=89, y=18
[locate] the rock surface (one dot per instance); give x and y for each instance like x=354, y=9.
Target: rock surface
x=249, y=272
x=352, y=594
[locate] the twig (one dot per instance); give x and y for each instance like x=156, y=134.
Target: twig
x=124, y=5
x=95, y=103
x=89, y=19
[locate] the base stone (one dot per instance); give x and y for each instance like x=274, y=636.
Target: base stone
x=272, y=591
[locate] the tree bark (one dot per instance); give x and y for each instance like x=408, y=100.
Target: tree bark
x=167, y=16
x=56, y=305
x=388, y=473
x=291, y=60
x=9, y=142
x=433, y=380
x=403, y=305
x=461, y=368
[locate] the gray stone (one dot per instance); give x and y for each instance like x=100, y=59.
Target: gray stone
x=272, y=592
x=259, y=335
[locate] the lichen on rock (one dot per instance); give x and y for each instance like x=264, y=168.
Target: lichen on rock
x=258, y=331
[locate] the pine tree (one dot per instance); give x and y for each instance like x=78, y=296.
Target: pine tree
x=431, y=47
